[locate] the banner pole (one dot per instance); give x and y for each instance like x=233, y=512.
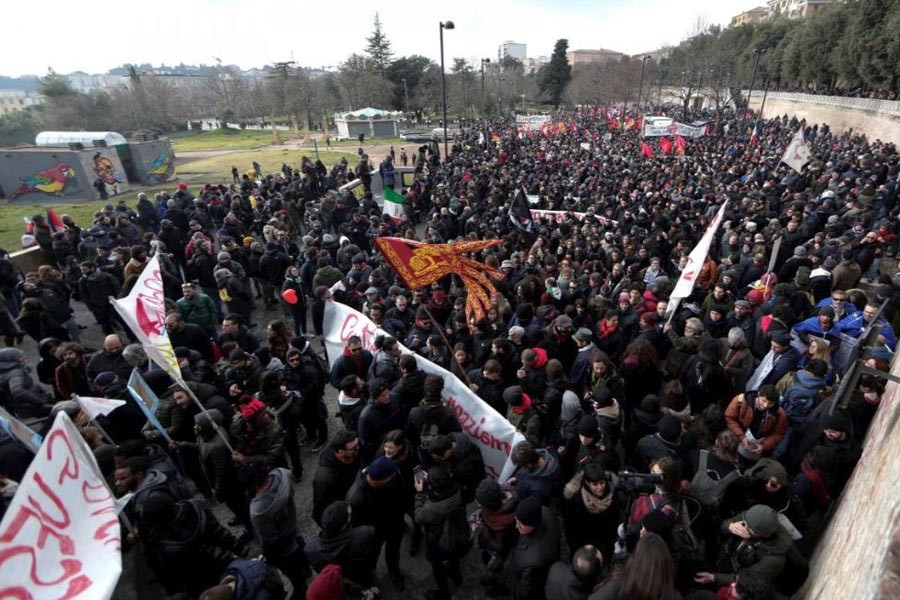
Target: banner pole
x=184, y=386
x=440, y=330
x=103, y=432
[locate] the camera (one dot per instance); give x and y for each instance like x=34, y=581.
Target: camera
x=638, y=483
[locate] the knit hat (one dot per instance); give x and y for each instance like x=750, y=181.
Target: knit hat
x=104, y=379
x=649, y=319
x=762, y=520
x=529, y=512
x=588, y=427
x=223, y=255
x=756, y=297
x=205, y=420
x=624, y=297
x=603, y=397
x=767, y=469
x=182, y=352
x=334, y=517
x=252, y=408
x=800, y=251
x=382, y=468
x=378, y=386
x=489, y=494
x=836, y=421
x=743, y=304
x=319, y=292
x=650, y=403
x=327, y=585
x=669, y=428
x=513, y=395
x=248, y=240
x=525, y=312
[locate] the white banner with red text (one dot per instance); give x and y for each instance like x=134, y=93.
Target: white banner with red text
x=60, y=537
x=488, y=429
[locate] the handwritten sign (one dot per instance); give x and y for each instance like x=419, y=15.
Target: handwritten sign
x=60, y=537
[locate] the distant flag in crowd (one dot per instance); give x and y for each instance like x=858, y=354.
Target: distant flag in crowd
x=696, y=258
x=95, y=407
x=629, y=123
x=393, y=204
x=665, y=144
x=55, y=222
x=419, y=265
x=613, y=123
x=797, y=154
x=481, y=138
x=680, y=145
x=754, y=137
x=29, y=226
x=646, y=150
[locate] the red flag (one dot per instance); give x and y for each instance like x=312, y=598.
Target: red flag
x=665, y=144
x=646, y=150
x=613, y=123
x=680, y=145
x=629, y=123
x=55, y=223
x=754, y=136
x=419, y=265
x=29, y=226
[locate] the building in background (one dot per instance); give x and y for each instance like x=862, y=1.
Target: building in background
x=795, y=9
x=655, y=55
x=513, y=50
x=15, y=100
x=749, y=16
x=85, y=83
x=583, y=57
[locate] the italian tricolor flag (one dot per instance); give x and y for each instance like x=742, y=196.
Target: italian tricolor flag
x=393, y=204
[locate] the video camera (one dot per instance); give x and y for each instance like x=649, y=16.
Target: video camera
x=637, y=483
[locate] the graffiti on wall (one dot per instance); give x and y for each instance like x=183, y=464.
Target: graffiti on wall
x=48, y=181
x=161, y=168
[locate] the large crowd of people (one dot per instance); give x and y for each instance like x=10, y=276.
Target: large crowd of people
x=685, y=453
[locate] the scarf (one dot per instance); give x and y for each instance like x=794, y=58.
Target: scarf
x=526, y=404
x=605, y=329
x=595, y=504
x=819, y=491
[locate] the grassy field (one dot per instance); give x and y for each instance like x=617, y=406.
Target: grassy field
x=269, y=158
x=225, y=139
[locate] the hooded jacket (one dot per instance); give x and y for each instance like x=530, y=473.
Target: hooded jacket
x=543, y=482
x=16, y=385
x=274, y=515
x=354, y=549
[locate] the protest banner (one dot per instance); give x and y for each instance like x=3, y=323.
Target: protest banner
x=531, y=122
x=696, y=258
x=665, y=126
x=488, y=429
x=20, y=431
x=60, y=537
x=147, y=401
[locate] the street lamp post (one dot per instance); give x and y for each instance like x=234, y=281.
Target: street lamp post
x=641, y=86
x=406, y=97
x=444, y=25
x=483, y=61
x=758, y=52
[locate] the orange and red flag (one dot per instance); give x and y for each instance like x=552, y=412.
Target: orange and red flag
x=419, y=265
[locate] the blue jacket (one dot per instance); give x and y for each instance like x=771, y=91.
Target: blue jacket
x=855, y=324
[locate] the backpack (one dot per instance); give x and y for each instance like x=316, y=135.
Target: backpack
x=707, y=486
x=798, y=402
x=318, y=363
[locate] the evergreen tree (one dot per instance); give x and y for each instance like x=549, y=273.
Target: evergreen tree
x=555, y=75
x=379, y=48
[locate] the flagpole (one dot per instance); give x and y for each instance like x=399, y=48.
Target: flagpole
x=184, y=386
x=440, y=331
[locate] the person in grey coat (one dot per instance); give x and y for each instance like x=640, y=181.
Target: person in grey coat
x=19, y=393
x=274, y=517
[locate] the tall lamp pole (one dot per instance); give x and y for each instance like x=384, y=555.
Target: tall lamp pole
x=758, y=52
x=641, y=86
x=406, y=97
x=483, y=61
x=444, y=25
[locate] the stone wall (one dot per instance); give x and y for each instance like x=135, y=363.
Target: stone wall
x=859, y=554
x=877, y=119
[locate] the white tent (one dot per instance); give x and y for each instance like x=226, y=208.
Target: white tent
x=87, y=138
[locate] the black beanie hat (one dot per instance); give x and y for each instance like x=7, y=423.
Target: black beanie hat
x=836, y=421
x=669, y=428
x=529, y=512
x=603, y=397
x=588, y=427
x=513, y=395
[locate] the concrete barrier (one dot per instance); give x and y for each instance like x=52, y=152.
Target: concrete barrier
x=877, y=119
x=858, y=555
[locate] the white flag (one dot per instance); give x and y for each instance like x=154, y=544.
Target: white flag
x=95, y=407
x=144, y=311
x=60, y=537
x=797, y=153
x=695, y=262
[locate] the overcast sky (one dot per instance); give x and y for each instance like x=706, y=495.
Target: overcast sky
x=99, y=35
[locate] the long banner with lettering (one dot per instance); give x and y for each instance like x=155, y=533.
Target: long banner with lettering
x=657, y=129
x=487, y=428
x=60, y=537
